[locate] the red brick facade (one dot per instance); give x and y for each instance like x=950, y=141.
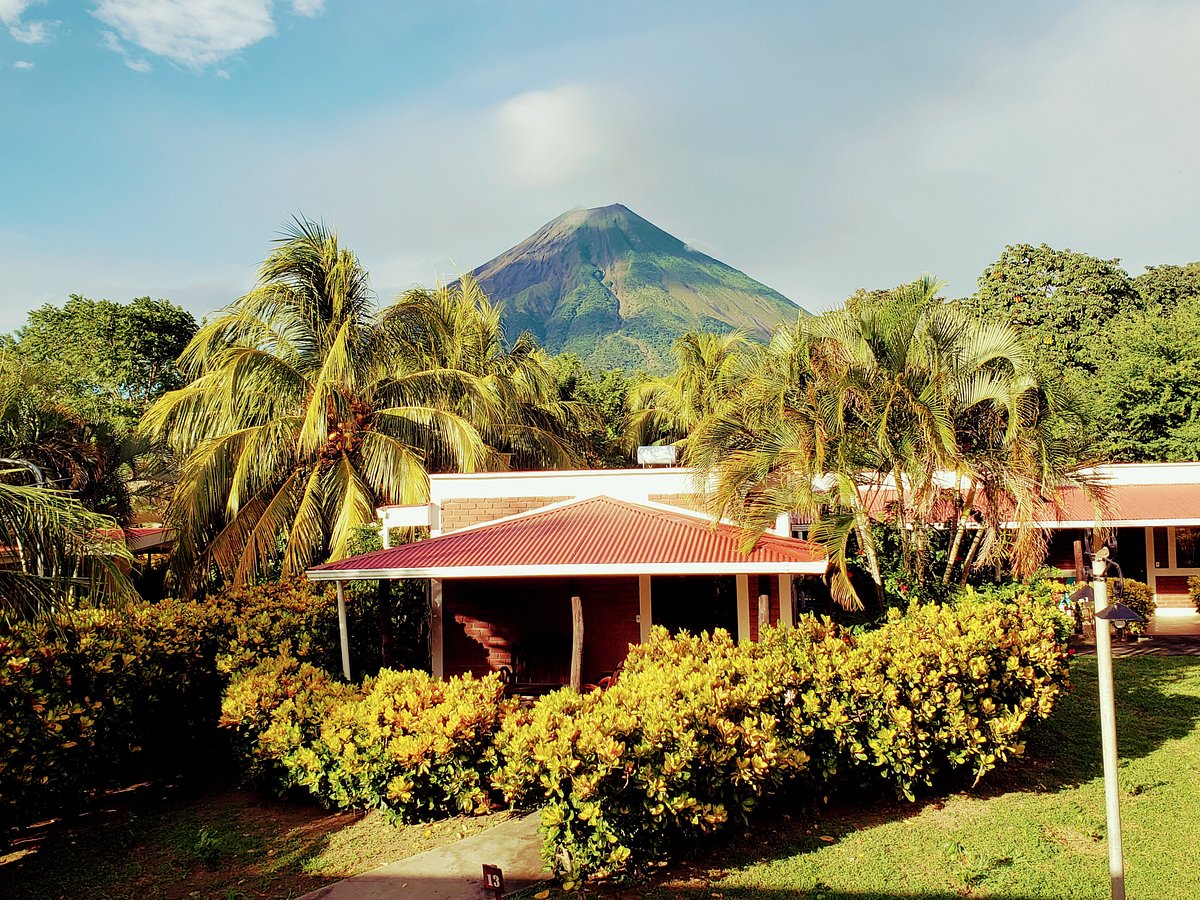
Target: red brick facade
x=471, y=511
x=757, y=585
x=525, y=624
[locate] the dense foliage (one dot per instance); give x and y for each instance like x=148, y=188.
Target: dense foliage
x=407, y=743
x=697, y=730
x=1138, y=597
x=104, y=695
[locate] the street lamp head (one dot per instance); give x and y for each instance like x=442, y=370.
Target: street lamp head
x=1119, y=614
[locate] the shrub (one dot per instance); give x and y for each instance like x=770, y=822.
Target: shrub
x=936, y=689
x=409, y=744
x=1138, y=597
x=100, y=696
x=687, y=739
x=698, y=730
x=275, y=710
x=97, y=697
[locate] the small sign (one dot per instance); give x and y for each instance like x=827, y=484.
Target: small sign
x=493, y=880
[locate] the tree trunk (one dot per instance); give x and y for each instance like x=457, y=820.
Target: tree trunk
x=386, y=608
x=975, y=542
x=576, y=644
x=964, y=516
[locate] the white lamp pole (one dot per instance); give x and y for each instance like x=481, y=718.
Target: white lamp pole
x=1108, y=727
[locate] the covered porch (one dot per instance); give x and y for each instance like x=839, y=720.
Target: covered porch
x=556, y=596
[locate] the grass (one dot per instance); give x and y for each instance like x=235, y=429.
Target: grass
x=227, y=843
x=1033, y=830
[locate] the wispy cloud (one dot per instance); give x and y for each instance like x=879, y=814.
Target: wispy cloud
x=22, y=64
x=113, y=43
x=12, y=16
x=197, y=34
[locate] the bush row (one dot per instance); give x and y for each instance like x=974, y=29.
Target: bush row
x=105, y=695
x=692, y=736
x=698, y=730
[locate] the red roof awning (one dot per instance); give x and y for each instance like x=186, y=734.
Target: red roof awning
x=593, y=536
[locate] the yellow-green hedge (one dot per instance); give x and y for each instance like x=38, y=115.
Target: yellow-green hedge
x=101, y=696
x=697, y=730
x=411, y=745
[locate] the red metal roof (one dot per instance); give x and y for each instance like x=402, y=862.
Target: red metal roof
x=1130, y=505
x=1133, y=504
x=594, y=536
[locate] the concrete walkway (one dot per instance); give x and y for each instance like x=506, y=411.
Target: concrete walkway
x=454, y=871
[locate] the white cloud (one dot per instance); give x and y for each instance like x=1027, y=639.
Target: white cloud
x=11, y=15
x=113, y=43
x=309, y=8
x=547, y=137
x=22, y=64
x=196, y=34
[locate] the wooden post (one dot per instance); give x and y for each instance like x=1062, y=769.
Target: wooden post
x=764, y=613
x=437, y=663
x=645, y=617
x=576, y=644
x=343, y=631
x=1079, y=573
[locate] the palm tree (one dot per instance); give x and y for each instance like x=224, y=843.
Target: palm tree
x=306, y=409
x=858, y=415
x=514, y=402
x=706, y=380
x=60, y=553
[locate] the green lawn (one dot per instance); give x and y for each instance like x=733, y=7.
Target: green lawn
x=1034, y=830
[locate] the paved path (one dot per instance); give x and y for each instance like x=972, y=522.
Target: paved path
x=453, y=871
x=1155, y=645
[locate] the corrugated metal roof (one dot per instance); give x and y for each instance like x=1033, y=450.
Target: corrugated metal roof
x=594, y=536
x=1133, y=504
x=1129, y=505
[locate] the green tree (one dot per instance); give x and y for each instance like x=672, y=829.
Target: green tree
x=306, y=409
x=59, y=554
x=862, y=414
x=707, y=378
x=1163, y=288
x=1059, y=300
x=1148, y=386
x=112, y=360
x=601, y=398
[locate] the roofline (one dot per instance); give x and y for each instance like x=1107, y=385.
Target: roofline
x=630, y=570
x=561, y=473
x=1108, y=523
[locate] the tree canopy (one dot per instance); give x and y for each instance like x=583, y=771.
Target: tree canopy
x=112, y=360
x=306, y=408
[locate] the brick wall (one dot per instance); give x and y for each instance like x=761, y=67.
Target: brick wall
x=694, y=502
x=461, y=513
x=489, y=621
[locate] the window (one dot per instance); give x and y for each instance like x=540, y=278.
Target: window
x=1187, y=547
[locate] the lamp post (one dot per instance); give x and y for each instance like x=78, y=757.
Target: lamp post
x=1120, y=615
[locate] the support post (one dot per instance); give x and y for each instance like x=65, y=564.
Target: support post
x=576, y=644
x=436, y=659
x=787, y=614
x=343, y=630
x=743, y=607
x=1108, y=731
x=645, y=618
x=764, y=613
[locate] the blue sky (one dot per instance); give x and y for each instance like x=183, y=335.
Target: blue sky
x=158, y=146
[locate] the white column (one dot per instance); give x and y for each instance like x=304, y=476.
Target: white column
x=786, y=614
x=645, y=622
x=436, y=661
x=343, y=631
x=1151, y=576
x=743, y=607
x=1108, y=733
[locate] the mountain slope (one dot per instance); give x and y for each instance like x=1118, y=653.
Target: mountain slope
x=616, y=290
